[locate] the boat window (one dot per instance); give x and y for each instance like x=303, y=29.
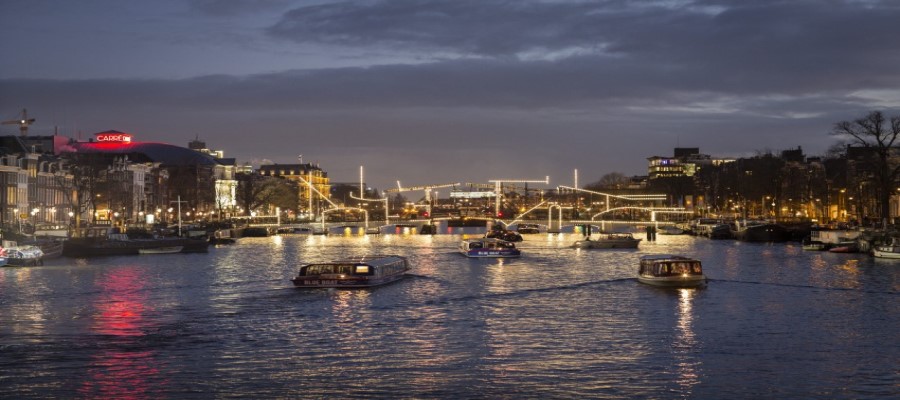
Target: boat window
x=362, y=270
x=345, y=269
x=475, y=245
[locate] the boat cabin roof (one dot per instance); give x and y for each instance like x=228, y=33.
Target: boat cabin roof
x=666, y=257
x=487, y=240
x=372, y=260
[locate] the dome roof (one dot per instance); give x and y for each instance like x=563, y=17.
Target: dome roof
x=166, y=154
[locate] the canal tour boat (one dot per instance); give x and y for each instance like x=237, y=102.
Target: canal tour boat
x=608, y=241
x=488, y=247
x=362, y=272
x=670, y=271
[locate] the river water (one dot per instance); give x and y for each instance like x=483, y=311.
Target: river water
x=774, y=322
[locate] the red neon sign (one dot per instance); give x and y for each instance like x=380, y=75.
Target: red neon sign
x=114, y=137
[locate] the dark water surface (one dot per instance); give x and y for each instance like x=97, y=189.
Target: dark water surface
x=774, y=322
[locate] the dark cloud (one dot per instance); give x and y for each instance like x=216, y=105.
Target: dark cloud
x=236, y=7
x=519, y=88
x=728, y=46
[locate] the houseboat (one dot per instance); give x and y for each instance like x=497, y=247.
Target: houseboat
x=107, y=241
x=488, y=247
x=760, y=232
x=359, y=272
x=670, y=271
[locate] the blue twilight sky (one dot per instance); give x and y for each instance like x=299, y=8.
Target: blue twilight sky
x=453, y=90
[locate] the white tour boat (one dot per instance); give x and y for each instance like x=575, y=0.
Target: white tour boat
x=670, y=271
x=488, y=247
x=359, y=272
x=608, y=241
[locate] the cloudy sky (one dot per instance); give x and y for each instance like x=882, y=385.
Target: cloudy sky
x=430, y=92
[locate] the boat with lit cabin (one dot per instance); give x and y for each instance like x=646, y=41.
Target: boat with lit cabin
x=362, y=272
x=488, y=247
x=608, y=241
x=670, y=271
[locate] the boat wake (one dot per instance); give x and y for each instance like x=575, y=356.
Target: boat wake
x=526, y=292
x=841, y=289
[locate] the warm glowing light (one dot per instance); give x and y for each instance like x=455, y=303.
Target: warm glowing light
x=113, y=137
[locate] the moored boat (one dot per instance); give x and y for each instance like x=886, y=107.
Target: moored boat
x=221, y=236
x=844, y=247
x=888, y=250
x=671, y=230
x=104, y=241
x=761, y=232
x=608, y=241
x=359, y=272
x=670, y=271
x=488, y=247
x=813, y=245
x=21, y=256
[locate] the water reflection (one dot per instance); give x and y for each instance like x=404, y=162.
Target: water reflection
x=686, y=343
x=118, y=370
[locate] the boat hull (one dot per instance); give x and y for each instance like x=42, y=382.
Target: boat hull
x=161, y=250
x=344, y=283
x=607, y=244
x=89, y=247
x=489, y=253
x=674, y=281
x=763, y=233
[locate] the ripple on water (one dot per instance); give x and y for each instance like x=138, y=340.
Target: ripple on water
x=557, y=322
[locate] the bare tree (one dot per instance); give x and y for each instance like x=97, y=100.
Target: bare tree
x=85, y=170
x=612, y=180
x=879, y=136
x=255, y=191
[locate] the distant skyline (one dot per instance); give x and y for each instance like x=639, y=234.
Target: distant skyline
x=430, y=92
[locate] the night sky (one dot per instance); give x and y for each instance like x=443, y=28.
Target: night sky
x=430, y=92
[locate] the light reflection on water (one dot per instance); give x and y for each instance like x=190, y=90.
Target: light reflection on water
x=557, y=322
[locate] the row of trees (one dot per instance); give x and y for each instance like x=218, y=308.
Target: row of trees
x=855, y=179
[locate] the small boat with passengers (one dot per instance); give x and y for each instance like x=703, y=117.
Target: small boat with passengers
x=488, y=247
x=670, y=271
x=608, y=241
x=362, y=272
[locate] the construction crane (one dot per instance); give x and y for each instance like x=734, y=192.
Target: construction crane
x=498, y=189
x=23, y=122
x=426, y=188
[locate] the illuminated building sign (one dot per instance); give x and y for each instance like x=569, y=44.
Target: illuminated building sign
x=113, y=137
